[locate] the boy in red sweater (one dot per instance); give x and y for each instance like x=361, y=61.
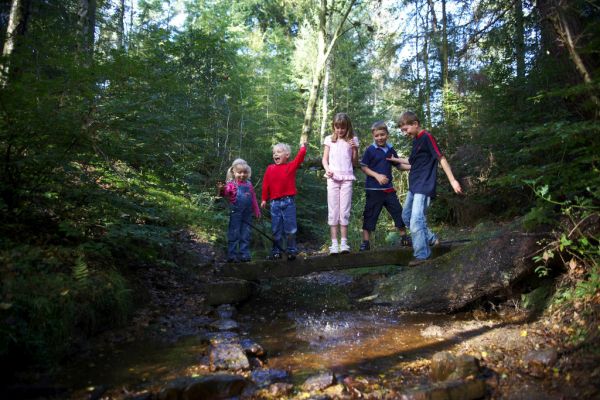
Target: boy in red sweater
x=279, y=186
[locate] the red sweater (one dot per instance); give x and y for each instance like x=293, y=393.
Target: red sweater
x=280, y=180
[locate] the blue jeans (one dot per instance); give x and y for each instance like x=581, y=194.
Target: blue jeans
x=238, y=234
x=283, y=224
x=414, y=215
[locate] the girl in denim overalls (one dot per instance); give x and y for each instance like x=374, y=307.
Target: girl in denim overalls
x=242, y=198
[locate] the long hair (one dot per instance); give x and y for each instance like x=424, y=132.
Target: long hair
x=342, y=119
x=241, y=163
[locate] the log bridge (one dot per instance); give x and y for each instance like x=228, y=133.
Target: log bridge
x=304, y=265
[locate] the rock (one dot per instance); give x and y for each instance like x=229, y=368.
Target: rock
x=468, y=273
x=225, y=325
x=226, y=311
x=433, y=331
x=252, y=348
x=280, y=389
x=215, y=387
x=174, y=389
x=319, y=382
x=335, y=391
x=265, y=377
x=545, y=358
x=538, y=361
x=228, y=356
x=450, y=390
x=228, y=291
x=447, y=366
x=223, y=337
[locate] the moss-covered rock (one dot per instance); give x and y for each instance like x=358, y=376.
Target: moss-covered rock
x=468, y=273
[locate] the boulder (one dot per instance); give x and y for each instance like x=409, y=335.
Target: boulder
x=228, y=356
x=468, y=273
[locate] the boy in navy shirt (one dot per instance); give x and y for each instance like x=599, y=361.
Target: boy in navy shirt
x=423, y=160
x=376, y=163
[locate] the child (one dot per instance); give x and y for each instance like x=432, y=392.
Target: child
x=423, y=159
x=376, y=163
x=242, y=198
x=279, y=186
x=339, y=154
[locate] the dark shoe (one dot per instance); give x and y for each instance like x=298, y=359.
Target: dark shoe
x=274, y=256
x=291, y=256
x=365, y=246
x=405, y=240
x=416, y=262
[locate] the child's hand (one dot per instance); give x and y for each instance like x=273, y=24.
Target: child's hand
x=263, y=204
x=354, y=142
x=456, y=186
x=304, y=143
x=393, y=159
x=382, y=179
x=328, y=173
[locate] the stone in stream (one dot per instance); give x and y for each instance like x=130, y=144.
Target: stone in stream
x=225, y=325
x=447, y=366
x=448, y=390
x=228, y=356
x=226, y=311
x=252, y=348
x=319, y=382
x=214, y=387
x=265, y=377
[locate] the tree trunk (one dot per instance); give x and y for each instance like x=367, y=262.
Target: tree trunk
x=519, y=39
x=17, y=26
x=566, y=34
x=87, y=25
x=324, y=48
x=121, y=25
x=324, y=105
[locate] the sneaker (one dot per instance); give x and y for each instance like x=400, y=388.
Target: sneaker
x=274, y=256
x=416, y=262
x=344, y=248
x=365, y=246
x=405, y=240
x=334, y=249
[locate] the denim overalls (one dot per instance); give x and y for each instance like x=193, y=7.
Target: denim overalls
x=240, y=218
x=283, y=224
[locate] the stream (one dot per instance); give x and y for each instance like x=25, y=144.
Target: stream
x=314, y=327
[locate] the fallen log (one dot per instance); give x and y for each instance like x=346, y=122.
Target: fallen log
x=303, y=265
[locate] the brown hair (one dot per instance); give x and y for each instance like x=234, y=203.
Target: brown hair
x=344, y=120
x=408, y=118
x=379, y=125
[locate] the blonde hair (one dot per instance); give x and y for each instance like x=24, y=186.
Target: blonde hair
x=344, y=120
x=238, y=162
x=285, y=147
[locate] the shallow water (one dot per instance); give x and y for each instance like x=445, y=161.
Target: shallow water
x=370, y=341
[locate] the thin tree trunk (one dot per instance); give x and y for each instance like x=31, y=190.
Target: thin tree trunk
x=17, y=26
x=519, y=39
x=121, y=25
x=324, y=105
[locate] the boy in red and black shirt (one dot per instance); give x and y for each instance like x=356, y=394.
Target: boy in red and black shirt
x=279, y=186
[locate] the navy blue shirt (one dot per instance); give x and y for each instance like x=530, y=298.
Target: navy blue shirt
x=375, y=158
x=423, y=161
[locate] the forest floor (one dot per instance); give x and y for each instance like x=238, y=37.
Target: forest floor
x=525, y=357
x=508, y=353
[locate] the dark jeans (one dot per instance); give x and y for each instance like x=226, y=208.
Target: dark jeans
x=283, y=224
x=375, y=201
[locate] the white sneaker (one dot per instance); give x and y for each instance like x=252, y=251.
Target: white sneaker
x=344, y=248
x=334, y=249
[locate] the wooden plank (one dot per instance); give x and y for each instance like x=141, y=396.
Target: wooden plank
x=264, y=269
